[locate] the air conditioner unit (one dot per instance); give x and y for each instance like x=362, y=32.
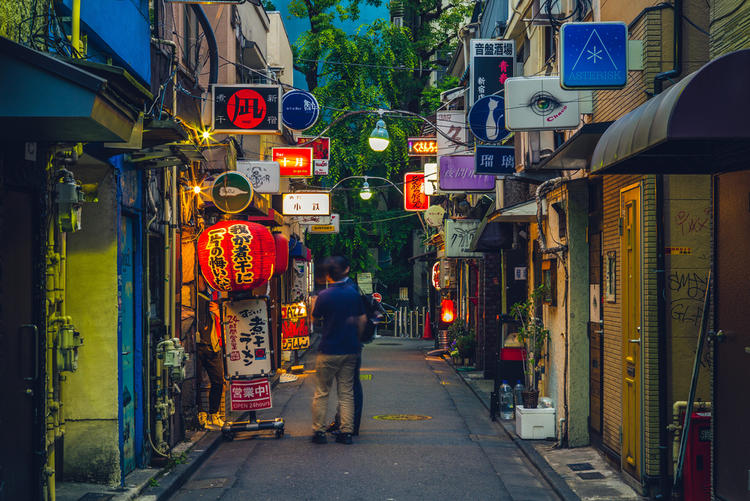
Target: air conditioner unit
x=398, y=22
x=542, y=9
x=536, y=146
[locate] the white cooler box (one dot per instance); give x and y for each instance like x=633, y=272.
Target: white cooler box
x=535, y=423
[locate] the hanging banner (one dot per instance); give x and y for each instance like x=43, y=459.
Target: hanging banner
x=306, y=204
x=247, y=338
x=457, y=175
x=246, y=109
x=253, y=395
x=294, y=162
x=295, y=331
x=495, y=160
x=459, y=233
x=491, y=65
x=415, y=199
x=264, y=176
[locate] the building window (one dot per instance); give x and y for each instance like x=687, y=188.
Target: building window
x=609, y=277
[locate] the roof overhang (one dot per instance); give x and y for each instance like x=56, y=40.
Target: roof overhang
x=492, y=236
x=697, y=126
x=575, y=153
x=45, y=99
x=525, y=212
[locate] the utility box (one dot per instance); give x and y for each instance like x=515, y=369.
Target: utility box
x=696, y=477
x=536, y=423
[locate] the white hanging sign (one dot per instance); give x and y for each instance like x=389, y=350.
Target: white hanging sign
x=306, y=204
x=459, y=234
x=263, y=175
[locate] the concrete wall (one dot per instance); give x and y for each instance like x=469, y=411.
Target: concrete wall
x=279, y=52
x=90, y=395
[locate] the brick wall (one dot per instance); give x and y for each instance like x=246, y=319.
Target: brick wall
x=490, y=302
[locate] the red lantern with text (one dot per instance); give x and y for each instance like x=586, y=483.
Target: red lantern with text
x=282, y=254
x=447, y=314
x=236, y=255
x=436, y=275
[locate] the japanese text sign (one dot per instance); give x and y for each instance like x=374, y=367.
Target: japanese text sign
x=334, y=226
x=321, y=153
x=306, y=204
x=457, y=174
x=459, y=234
x=294, y=162
x=495, y=160
x=246, y=109
x=252, y=395
x=452, y=127
x=414, y=195
x=593, y=55
x=295, y=331
x=422, y=146
x=491, y=65
x=246, y=338
x=264, y=176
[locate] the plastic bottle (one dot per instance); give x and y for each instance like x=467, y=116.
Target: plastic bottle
x=518, y=393
x=506, y=401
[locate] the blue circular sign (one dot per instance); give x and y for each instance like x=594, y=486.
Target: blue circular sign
x=487, y=119
x=299, y=110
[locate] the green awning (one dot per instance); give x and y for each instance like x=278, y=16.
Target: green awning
x=45, y=99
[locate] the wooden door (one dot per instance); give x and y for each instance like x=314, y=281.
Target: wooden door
x=630, y=251
x=732, y=404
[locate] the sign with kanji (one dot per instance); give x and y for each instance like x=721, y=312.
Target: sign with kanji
x=495, y=160
x=247, y=338
x=321, y=153
x=459, y=234
x=422, y=146
x=306, y=204
x=491, y=65
x=299, y=109
x=246, y=109
x=414, y=195
x=452, y=127
x=457, y=175
x=264, y=176
x=250, y=395
x=294, y=162
x=295, y=331
x=334, y=226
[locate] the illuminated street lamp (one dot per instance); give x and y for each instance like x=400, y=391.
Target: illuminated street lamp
x=379, y=138
x=365, y=193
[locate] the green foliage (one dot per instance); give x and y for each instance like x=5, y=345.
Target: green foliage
x=532, y=334
x=462, y=340
x=23, y=21
x=431, y=95
x=268, y=5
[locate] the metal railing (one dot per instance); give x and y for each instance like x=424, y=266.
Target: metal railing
x=409, y=322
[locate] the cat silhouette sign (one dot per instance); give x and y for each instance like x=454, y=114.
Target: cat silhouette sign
x=487, y=119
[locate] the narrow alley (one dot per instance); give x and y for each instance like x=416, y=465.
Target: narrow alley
x=448, y=450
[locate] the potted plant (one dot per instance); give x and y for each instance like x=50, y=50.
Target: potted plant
x=533, y=335
x=462, y=341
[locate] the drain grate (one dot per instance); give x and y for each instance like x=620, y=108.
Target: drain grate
x=580, y=466
x=591, y=475
x=401, y=417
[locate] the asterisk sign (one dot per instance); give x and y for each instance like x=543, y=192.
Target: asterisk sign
x=594, y=53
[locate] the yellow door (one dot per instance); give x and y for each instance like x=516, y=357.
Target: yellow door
x=630, y=247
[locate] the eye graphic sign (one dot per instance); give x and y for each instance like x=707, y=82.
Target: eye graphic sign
x=539, y=103
x=294, y=162
x=491, y=65
x=246, y=109
x=487, y=119
x=414, y=195
x=594, y=55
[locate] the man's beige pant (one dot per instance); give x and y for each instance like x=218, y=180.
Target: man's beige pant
x=327, y=368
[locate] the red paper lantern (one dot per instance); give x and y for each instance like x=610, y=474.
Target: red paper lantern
x=236, y=255
x=282, y=254
x=446, y=311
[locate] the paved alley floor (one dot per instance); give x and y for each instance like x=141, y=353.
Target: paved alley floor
x=456, y=454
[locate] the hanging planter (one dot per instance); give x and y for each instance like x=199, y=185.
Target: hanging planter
x=236, y=255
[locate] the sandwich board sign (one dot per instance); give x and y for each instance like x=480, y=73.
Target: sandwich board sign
x=247, y=338
x=593, y=55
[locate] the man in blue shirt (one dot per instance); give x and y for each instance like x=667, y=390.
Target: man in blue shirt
x=340, y=307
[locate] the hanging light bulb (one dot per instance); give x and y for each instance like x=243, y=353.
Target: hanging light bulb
x=365, y=193
x=379, y=138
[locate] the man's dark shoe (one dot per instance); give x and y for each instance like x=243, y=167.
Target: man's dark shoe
x=344, y=438
x=319, y=438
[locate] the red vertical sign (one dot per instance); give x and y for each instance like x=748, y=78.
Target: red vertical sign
x=414, y=196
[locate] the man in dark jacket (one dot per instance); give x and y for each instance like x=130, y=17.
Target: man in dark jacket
x=340, y=307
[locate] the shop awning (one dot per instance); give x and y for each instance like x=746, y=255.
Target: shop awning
x=45, y=99
x=575, y=153
x=699, y=125
x=492, y=236
x=525, y=212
